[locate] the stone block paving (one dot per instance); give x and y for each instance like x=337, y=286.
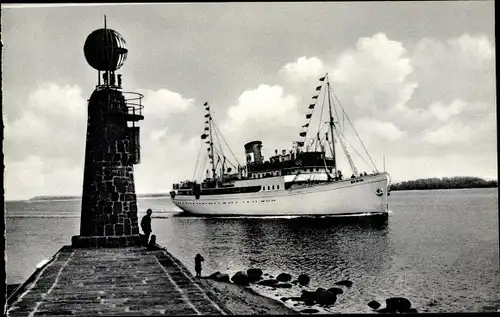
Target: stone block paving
x=115, y=281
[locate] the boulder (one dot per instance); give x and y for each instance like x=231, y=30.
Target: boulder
x=374, y=304
x=283, y=285
x=269, y=282
x=240, y=278
x=218, y=276
x=307, y=295
x=254, y=274
x=222, y=278
x=213, y=275
x=324, y=297
x=303, y=279
x=344, y=283
x=295, y=282
x=284, y=277
x=336, y=290
x=309, y=311
x=399, y=304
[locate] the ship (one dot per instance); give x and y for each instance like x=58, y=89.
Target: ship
x=302, y=181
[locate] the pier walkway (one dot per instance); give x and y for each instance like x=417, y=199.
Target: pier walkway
x=113, y=281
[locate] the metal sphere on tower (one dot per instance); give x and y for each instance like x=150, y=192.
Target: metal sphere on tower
x=105, y=50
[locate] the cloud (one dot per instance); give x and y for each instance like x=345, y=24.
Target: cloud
x=449, y=133
x=377, y=128
x=303, y=69
x=53, y=125
x=266, y=103
x=163, y=102
x=265, y=113
x=165, y=160
x=387, y=56
x=169, y=140
x=472, y=48
x=374, y=76
x=458, y=68
x=443, y=112
x=165, y=111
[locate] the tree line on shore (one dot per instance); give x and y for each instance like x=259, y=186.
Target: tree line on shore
x=445, y=183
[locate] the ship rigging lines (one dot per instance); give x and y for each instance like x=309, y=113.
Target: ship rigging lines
x=325, y=89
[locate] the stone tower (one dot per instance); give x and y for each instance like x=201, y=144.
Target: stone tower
x=109, y=204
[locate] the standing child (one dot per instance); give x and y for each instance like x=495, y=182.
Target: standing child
x=197, y=264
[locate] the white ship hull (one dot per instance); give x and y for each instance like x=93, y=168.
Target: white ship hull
x=363, y=195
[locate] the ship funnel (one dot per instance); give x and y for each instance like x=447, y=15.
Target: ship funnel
x=253, y=152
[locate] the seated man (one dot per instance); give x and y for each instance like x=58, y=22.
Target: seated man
x=152, y=246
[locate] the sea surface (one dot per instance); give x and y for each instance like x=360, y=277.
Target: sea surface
x=439, y=248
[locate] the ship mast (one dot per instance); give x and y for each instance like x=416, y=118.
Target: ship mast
x=332, y=124
x=211, y=142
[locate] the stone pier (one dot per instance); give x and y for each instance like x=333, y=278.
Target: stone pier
x=113, y=282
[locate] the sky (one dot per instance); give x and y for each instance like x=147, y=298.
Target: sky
x=417, y=79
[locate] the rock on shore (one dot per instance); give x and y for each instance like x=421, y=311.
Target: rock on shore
x=344, y=283
x=303, y=279
x=218, y=276
x=240, y=278
x=393, y=305
x=254, y=274
x=268, y=282
x=284, y=277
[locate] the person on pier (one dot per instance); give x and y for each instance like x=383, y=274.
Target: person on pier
x=146, y=225
x=197, y=264
x=152, y=246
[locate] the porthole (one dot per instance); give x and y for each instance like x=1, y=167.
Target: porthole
x=273, y=187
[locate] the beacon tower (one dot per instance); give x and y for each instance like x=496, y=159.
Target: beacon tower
x=109, y=203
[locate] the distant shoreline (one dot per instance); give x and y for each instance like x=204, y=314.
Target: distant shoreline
x=444, y=183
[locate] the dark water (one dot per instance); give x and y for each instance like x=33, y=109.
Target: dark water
x=437, y=246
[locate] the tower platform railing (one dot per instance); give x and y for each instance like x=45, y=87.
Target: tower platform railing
x=133, y=100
